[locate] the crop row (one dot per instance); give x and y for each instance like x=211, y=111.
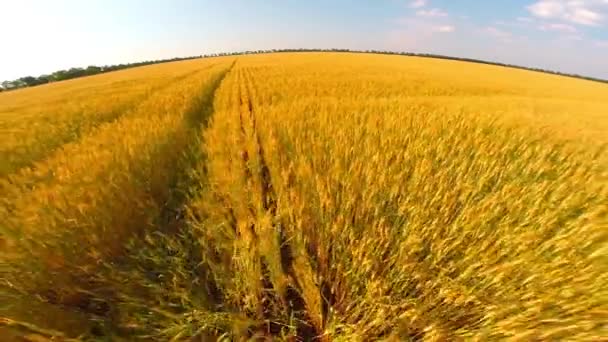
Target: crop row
x=363, y=217
x=77, y=209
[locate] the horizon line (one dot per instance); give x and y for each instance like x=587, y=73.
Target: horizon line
x=269, y=51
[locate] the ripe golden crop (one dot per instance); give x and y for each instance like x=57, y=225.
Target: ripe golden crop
x=338, y=196
x=79, y=205
x=37, y=121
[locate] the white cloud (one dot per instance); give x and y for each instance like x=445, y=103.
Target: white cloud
x=575, y=37
x=565, y=52
x=524, y=19
x=585, y=17
x=547, y=9
x=580, y=12
x=565, y=28
x=444, y=29
x=418, y=34
x=418, y=3
x=433, y=13
x=498, y=33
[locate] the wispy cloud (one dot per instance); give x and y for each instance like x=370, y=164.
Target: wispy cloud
x=573, y=37
x=444, y=29
x=418, y=3
x=566, y=35
x=580, y=12
x=422, y=11
x=421, y=27
x=497, y=33
x=418, y=34
x=565, y=28
x=524, y=19
x=432, y=13
x=421, y=23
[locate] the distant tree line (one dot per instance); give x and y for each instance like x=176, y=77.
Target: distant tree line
x=61, y=75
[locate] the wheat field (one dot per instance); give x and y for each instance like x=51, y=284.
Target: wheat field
x=306, y=196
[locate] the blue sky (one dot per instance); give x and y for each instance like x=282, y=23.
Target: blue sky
x=40, y=36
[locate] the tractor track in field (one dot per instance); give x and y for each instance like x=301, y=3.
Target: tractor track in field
x=307, y=328
x=172, y=218
x=173, y=213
